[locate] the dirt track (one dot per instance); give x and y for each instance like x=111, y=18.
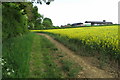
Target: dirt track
x=88, y=71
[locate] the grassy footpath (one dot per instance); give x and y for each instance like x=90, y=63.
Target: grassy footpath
x=15, y=56
x=34, y=56
x=48, y=62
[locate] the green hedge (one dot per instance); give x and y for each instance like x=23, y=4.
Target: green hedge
x=14, y=23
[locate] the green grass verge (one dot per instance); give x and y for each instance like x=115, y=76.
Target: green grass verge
x=15, y=54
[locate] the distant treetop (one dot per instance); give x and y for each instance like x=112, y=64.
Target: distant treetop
x=33, y=1
x=40, y=1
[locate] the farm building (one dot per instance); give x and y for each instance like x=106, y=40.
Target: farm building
x=99, y=22
x=77, y=24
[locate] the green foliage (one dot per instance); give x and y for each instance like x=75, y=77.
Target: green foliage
x=16, y=54
x=31, y=26
x=71, y=68
x=17, y=17
x=13, y=22
x=35, y=12
x=47, y=2
x=47, y=22
x=34, y=18
x=28, y=10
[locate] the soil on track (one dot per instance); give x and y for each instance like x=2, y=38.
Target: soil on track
x=89, y=71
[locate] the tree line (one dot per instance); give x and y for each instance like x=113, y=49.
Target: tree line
x=19, y=17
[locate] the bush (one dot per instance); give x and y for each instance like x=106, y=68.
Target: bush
x=13, y=22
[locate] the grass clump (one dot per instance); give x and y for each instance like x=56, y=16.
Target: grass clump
x=70, y=68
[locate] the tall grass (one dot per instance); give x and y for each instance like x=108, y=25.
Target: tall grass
x=16, y=52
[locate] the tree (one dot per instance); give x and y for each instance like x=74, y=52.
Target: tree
x=47, y=22
x=14, y=21
x=28, y=10
x=37, y=18
x=45, y=1
x=17, y=17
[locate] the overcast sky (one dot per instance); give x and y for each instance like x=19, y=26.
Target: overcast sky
x=73, y=11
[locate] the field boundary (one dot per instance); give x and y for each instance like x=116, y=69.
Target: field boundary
x=89, y=71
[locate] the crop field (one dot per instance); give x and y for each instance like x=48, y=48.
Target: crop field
x=99, y=38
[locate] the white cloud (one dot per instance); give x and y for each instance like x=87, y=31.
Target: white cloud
x=71, y=11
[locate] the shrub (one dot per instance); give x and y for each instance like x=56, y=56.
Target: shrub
x=14, y=23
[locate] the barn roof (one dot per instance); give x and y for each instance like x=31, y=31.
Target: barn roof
x=98, y=22
x=77, y=23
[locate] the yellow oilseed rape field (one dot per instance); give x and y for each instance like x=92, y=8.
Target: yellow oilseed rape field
x=104, y=37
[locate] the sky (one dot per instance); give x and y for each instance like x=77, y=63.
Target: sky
x=63, y=12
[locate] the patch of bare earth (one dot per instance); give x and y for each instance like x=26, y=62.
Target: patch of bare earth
x=89, y=70
x=58, y=59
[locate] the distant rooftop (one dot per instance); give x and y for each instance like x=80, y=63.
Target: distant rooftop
x=98, y=22
x=74, y=24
